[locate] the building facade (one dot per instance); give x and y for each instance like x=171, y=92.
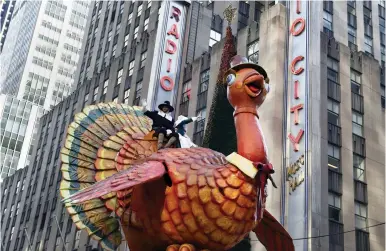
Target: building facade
x=38, y=63
x=6, y=9
x=338, y=182
x=43, y=50
x=18, y=130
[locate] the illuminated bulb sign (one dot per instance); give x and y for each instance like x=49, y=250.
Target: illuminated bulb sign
x=296, y=171
x=167, y=53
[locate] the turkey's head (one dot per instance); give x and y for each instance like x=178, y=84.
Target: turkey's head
x=247, y=83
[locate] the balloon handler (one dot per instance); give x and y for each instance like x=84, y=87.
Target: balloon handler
x=163, y=124
x=180, y=125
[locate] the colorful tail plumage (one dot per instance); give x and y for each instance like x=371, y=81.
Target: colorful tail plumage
x=102, y=140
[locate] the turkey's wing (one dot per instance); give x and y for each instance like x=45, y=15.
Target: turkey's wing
x=137, y=174
x=273, y=235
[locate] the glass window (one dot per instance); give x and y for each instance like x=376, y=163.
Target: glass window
x=368, y=44
x=105, y=85
x=131, y=67
x=126, y=42
x=334, y=202
x=119, y=77
x=357, y=123
x=95, y=94
x=327, y=20
x=360, y=215
x=204, y=82
x=146, y=24
x=214, y=37
x=126, y=96
x=359, y=168
x=333, y=106
x=333, y=64
x=253, y=52
x=143, y=59
x=136, y=32
x=139, y=10
x=333, y=151
x=186, y=91
x=130, y=18
x=355, y=76
x=352, y=35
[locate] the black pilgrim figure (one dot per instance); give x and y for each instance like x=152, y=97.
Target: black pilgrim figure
x=163, y=123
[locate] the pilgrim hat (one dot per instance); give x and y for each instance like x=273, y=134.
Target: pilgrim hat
x=167, y=104
x=238, y=62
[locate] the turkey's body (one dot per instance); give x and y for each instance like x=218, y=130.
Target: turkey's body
x=210, y=203
x=114, y=179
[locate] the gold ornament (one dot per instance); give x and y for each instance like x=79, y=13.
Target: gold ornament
x=230, y=13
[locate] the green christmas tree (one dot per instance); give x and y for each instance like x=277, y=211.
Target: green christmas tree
x=220, y=134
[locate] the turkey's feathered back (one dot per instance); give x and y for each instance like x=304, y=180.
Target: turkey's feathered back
x=102, y=140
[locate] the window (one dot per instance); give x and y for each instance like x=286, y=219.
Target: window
x=199, y=128
x=333, y=156
x=352, y=35
x=359, y=168
x=86, y=98
x=114, y=49
x=119, y=77
x=145, y=24
x=143, y=59
x=138, y=92
x=105, y=85
x=110, y=35
x=139, y=10
x=368, y=44
x=186, y=91
x=126, y=42
x=126, y=96
x=355, y=82
x=332, y=64
x=130, y=18
x=95, y=94
x=357, y=124
x=115, y=100
x=334, y=206
x=327, y=21
x=253, y=52
x=333, y=112
x=136, y=32
x=204, y=82
x=131, y=67
x=360, y=215
x=214, y=37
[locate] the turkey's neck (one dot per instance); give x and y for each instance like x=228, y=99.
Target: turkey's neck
x=250, y=140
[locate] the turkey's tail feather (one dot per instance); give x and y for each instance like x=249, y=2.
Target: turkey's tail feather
x=101, y=141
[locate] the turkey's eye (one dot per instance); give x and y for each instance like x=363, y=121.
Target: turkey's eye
x=230, y=79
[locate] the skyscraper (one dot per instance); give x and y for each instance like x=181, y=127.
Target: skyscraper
x=6, y=9
x=38, y=67
x=323, y=119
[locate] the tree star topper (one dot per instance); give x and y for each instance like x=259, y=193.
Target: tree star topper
x=230, y=13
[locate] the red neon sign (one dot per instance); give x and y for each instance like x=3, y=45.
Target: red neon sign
x=167, y=82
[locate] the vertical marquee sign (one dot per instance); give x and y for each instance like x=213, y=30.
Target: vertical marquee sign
x=296, y=171
x=168, y=50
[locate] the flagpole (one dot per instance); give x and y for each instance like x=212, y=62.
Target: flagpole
x=29, y=241
x=60, y=232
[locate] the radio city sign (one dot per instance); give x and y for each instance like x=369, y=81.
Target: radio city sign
x=167, y=52
x=296, y=171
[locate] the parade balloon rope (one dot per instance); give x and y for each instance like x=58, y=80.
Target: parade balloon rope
x=339, y=233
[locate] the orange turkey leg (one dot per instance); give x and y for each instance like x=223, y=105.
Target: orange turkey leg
x=273, y=235
x=183, y=247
